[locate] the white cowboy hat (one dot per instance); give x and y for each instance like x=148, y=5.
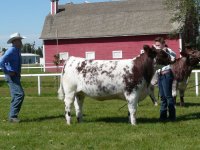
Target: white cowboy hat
x=15, y=36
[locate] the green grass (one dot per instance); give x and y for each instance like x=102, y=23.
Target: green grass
x=43, y=125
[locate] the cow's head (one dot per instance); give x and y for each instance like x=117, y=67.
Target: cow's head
x=161, y=56
x=193, y=56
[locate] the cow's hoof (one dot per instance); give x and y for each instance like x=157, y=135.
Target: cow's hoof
x=79, y=120
x=68, y=120
x=133, y=124
x=182, y=104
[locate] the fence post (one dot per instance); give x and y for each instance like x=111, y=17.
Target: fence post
x=196, y=83
x=39, y=88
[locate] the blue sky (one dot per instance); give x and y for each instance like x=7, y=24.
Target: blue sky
x=26, y=17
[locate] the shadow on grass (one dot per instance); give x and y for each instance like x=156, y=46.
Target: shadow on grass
x=188, y=104
x=112, y=119
x=125, y=120
x=45, y=118
x=191, y=116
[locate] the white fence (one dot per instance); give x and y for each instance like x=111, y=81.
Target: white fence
x=58, y=74
x=43, y=68
x=196, y=81
x=39, y=78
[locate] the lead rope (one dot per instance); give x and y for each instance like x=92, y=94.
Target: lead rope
x=158, y=94
x=122, y=106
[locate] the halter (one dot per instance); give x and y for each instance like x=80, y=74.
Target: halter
x=168, y=58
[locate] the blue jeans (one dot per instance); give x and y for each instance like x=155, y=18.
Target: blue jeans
x=17, y=95
x=167, y=100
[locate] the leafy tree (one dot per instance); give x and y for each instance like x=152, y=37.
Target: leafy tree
x=57, y=61
x=186, y=14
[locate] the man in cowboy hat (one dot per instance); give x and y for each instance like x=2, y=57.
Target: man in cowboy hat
x=10, y=63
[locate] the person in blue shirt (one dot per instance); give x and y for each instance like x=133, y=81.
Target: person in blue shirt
x=10, y=63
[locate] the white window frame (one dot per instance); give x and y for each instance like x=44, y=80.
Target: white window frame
x=63, y=55
x=117, y=54
x=141, y=51
x=89, y=55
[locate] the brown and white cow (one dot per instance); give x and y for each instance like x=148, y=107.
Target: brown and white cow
x=181, y=69
x=108, y=79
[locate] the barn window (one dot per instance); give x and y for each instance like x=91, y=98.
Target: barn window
x=90, y=55
x=141, y=51
x=117, y=54
x=63, y=55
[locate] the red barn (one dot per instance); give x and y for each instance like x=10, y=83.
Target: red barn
x=106, y=30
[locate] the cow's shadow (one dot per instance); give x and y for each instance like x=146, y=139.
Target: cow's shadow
x=188, y=104
x=125, y=119
x=190, y=116
x=140, y=120
x=112, y=119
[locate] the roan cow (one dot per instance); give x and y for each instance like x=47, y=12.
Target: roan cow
x=108, y=79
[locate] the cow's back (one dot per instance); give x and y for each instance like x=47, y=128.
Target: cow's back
x=97, y=78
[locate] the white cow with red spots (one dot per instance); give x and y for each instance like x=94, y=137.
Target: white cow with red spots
x=108, y=79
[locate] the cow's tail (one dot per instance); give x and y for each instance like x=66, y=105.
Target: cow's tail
x=61, y=93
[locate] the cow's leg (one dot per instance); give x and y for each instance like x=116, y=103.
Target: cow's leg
x=174, y=90
x=182, y=103
x=132, y=106
x=154, y=82
x=174, y=100
x=69, y=99
x=78, y=104
x=181, y=92
x=151, y=94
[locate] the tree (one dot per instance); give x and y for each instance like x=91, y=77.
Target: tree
x=4, y=49
x=30, y=48
x=26, y=48
x=39, y=51
x=186, y=14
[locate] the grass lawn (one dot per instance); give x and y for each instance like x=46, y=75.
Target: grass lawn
x=43, y=125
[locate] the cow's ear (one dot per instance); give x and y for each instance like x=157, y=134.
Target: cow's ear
x=146, y=48
x=184, y=53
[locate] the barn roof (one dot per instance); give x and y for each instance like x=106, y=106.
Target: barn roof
x=108, y=19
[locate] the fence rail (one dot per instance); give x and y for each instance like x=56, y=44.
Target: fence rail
x=43, y=68
x=39, y=78
x=59, y=74
x=196, y=81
